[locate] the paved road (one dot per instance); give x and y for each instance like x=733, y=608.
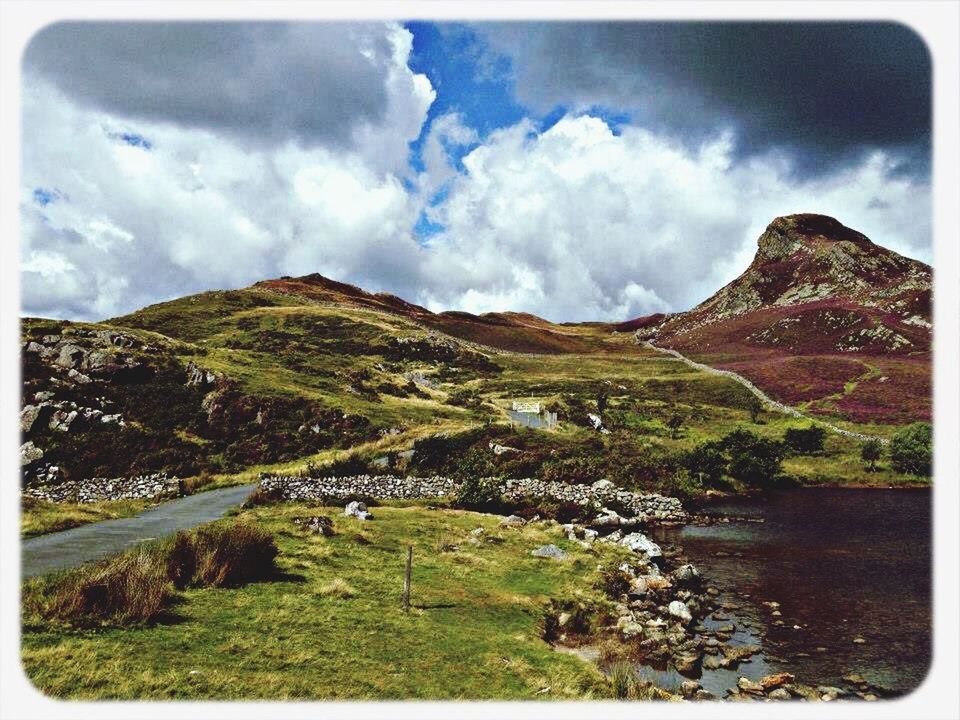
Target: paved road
x=69, y=548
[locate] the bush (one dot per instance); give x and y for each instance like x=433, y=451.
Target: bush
x=753, y=460
x=477, y=493
x=805, y=441
x=136, y=587
x=577, y=470
x=870, y=452
x=613, y=581
x=706, y=462
x=260, y=497
x=127, y=589
x=911, y=449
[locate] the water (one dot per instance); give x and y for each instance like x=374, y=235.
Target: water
x=842, y=563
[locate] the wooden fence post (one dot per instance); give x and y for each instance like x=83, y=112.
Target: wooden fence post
x=406, y=579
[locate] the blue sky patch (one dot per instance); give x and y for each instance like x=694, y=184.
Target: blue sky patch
x=43, y=196
x=132, y=139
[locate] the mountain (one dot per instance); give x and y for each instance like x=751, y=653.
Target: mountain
x=822, y=317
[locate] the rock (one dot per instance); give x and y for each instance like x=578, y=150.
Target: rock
x=629, y=628
x=703, y=695
x=501, y=449
x=737, y=653
x=477, y=532
x=711, y=662
x=28, y=416
x=603, y=485
x=769, y=682
x=638, y=587
x=549, y=551
x=859, y=641
x=358, y=510
x=198, y=376
x=61, y=420
x=70, y=356
x=726, y=628
x=687, y=576
x=78, y=377
x=689, y=688
x=686, y=663
x=563, y=618
x=638, y=542
x=779, y=694
x=679, y=610
x=29, y=453
x=513, y=521
x=749, y=686
x=854, y=679
x=318, y=524
x=828, y=691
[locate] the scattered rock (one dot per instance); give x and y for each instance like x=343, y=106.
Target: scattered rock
x=769, y=682
x=513, y=521
x=859, y=641
x=29, y=453
x=749, y=686
x=549, y=551
x=779, y=694
x=28, y=416
x=689, y=688
x=638, y=542
x=358, y=510
x=317, y=524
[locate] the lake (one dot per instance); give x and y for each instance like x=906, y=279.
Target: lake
x=842, y=564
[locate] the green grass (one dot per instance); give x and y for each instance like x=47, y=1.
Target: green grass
x=336, y=629
x=38, y=517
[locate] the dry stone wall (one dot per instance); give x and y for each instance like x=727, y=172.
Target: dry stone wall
x=387, y=487
x=147, y=487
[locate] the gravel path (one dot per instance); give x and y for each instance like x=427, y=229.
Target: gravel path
x=69, y=548
x=764, y=398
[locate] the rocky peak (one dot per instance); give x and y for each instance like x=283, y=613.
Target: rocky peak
x=790, y=234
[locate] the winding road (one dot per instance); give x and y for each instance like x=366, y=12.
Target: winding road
x=69, y=548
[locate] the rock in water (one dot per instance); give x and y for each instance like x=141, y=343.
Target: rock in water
x=687, y=576
x=638, y=542
x=549, y=551
x=774, y=681
x=358, y=510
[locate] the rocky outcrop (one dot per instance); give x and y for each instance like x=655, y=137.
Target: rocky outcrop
x=146, y=487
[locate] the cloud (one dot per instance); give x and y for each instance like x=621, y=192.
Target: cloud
x=318, y=84
x=827, y=92
x=578, y=223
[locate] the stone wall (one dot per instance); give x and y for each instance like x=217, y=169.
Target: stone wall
x=146, y=487
x=387, y=487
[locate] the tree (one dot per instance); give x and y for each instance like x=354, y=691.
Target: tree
x=911, y=449
x=753, y=460
x=706, y=462
x=805, y=441
x=674, y=423
x=870, y=451
x=754, y=407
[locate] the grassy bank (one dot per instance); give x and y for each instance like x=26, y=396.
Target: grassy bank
x=38, y=517
x=333, y=627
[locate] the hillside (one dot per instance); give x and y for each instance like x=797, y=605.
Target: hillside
x=822, y=318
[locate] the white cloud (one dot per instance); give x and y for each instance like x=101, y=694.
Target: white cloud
x=579, y=223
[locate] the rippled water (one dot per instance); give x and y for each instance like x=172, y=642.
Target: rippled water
x=841, y=563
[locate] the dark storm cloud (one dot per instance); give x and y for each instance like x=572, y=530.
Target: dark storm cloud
x=261, y=81
x=825, y=92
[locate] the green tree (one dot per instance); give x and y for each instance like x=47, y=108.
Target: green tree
x=911, y=449
x=706, y=462
x=753, y=460
x=805, y=441
x=871, y=451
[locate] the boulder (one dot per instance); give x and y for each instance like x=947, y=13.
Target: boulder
x=29, y=453
x=317, y=524
x=769, y=682
x=549, y=551
x=736, y=653
x=513, y=521
x=749, y=686
x=779, y=694
x=61, y=420
x=686, y=663
x=603, y=485
x=78, y=377
x=28, y=416
x=687, y=576
x=679, y=610
x=689, y=688
x=358, y=510
x=638, y=542
x=70, y=356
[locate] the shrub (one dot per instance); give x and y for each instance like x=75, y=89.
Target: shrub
x=871, y=451
x=477, y=493
x=675, y=423
x=352, y=464
x=577, y=470
x=261, y=496
x=127, y=589
x=623, y=678
x=613, y=581
x=231, y=555
x=752, y=459
x=911, y=449
x=805, y=441
x=706, y=462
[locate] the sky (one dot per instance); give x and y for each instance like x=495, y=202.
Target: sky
x=578, y=171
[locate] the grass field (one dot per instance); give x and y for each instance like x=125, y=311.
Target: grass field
x=335, y=629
